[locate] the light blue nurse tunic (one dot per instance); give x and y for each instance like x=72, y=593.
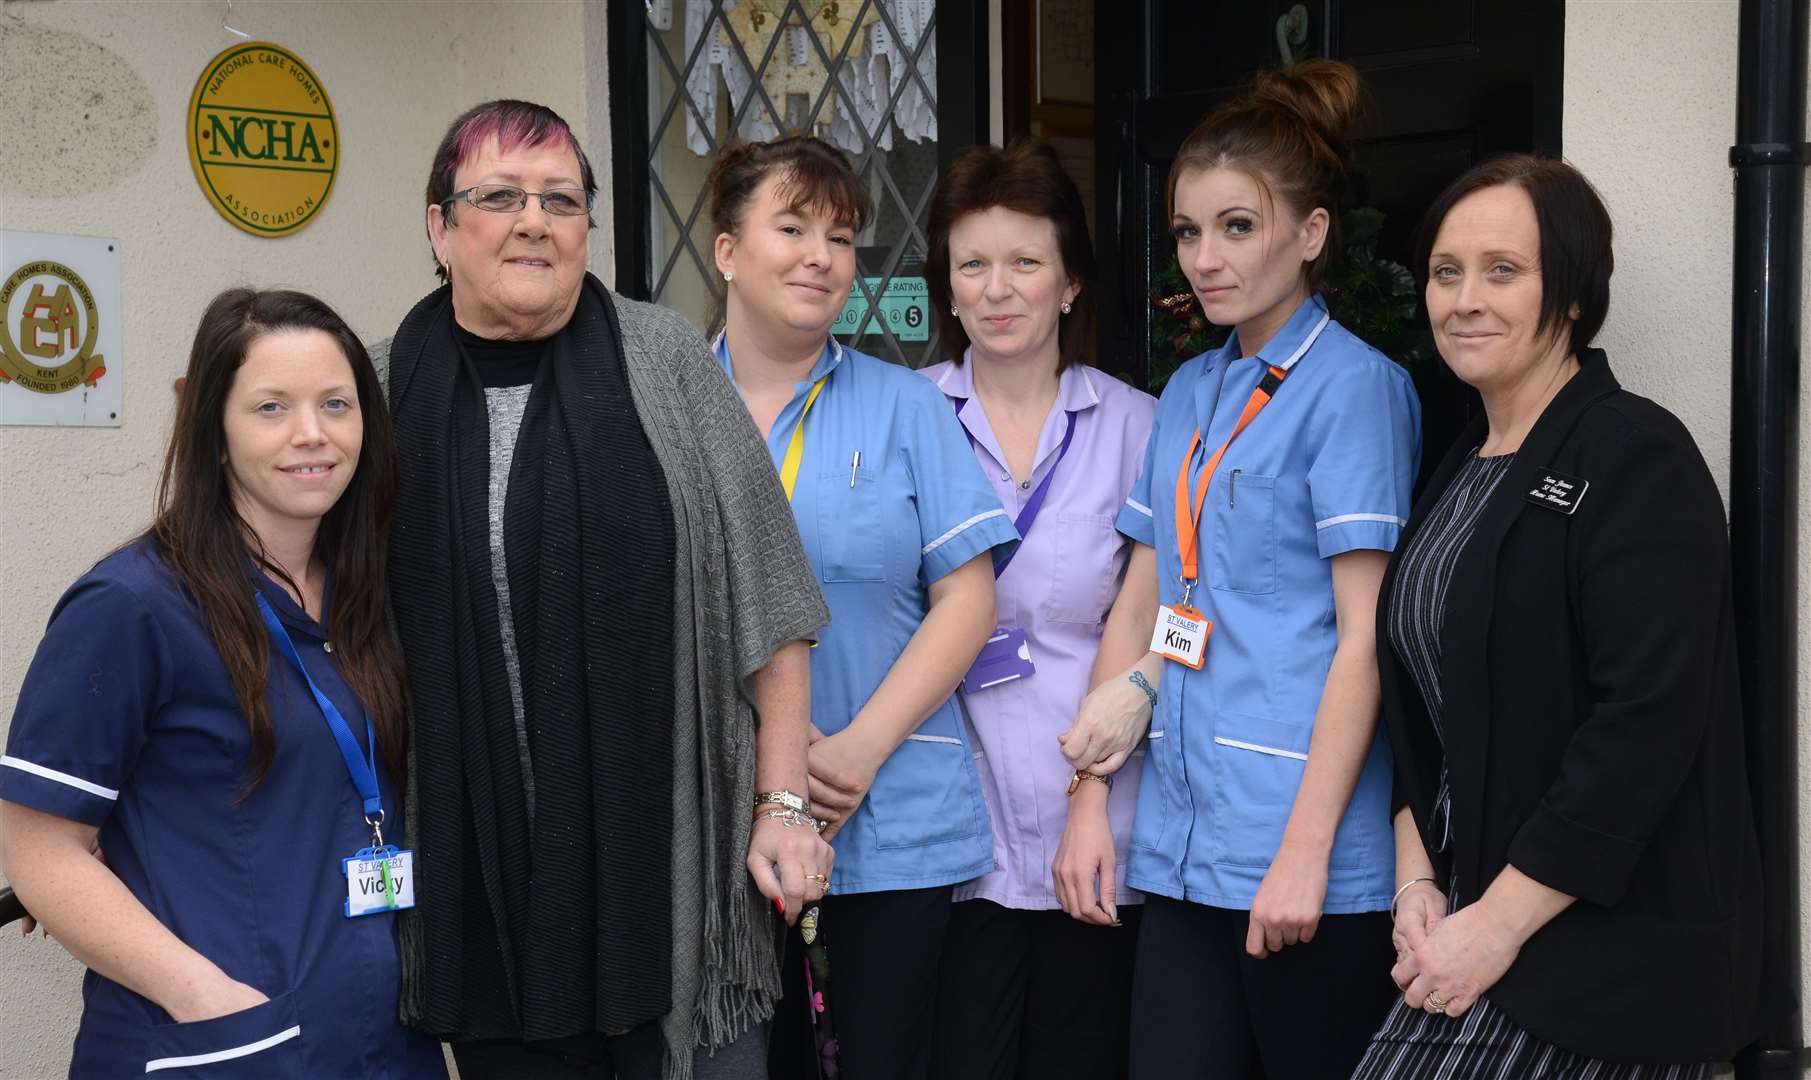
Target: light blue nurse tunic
x=1324, y=469
x=879, y=529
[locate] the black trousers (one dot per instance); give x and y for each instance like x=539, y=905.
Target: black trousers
x=637, y=1055
x=883, y=950
x=1202, y=1007
x=1033, y=995
x=633, y=1056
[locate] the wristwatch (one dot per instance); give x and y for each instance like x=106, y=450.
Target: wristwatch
x=1083, y=774
x=784, y=798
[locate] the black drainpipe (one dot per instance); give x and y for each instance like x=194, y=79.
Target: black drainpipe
x=1769, y=159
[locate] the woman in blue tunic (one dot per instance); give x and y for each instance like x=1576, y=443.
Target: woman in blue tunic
x=898, y=522
x=1275, y=484
x=219, y=705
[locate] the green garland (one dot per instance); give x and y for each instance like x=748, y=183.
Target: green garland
x=1372, y=297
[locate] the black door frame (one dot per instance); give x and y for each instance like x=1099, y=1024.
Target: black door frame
x=962, y=118
x=1127, y=226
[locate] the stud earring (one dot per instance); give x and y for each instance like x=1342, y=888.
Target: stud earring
x=1065, y=307
x=953, y=310
x=729, y=275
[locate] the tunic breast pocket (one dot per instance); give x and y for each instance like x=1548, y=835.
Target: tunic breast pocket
x=1086, y=571
x=854, y=540
x=1244, y=533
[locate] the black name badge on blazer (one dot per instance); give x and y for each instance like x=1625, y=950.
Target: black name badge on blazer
x=1556, y=491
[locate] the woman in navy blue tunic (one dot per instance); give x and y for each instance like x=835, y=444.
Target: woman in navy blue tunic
x=218, y=706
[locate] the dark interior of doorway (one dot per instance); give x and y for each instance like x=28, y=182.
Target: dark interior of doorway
x=1450, y=83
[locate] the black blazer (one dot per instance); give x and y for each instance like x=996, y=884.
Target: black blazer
x=1594, y=729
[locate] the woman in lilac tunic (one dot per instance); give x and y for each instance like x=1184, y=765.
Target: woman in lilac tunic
x=1037, y=967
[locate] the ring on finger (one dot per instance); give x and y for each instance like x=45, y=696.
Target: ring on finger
x=822, y=881
x=1435, y=1004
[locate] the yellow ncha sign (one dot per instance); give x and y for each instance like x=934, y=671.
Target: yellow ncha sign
x=263, y=139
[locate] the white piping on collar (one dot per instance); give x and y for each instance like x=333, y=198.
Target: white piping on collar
x=1088, y=381
x=1307, y=342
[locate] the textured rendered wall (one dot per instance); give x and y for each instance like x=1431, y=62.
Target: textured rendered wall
x=1650, y=112
x=92, y=110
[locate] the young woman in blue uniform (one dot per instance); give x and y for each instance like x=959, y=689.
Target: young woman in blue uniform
x=1276, y=482
x=219, y=705
x=898, y=522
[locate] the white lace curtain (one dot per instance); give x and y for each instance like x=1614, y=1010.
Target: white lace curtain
x=876, y=65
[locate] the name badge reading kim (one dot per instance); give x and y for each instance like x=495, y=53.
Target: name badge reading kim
x=378, y=880
x=1181, y=635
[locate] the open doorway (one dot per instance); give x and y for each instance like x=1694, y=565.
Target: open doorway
x=1450, y=82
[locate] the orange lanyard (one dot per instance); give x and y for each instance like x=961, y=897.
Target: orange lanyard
x=1188, y=513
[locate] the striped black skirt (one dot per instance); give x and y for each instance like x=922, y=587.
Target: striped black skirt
x=1484, y=1044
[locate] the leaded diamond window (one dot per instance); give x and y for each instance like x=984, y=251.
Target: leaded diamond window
x=861, y=74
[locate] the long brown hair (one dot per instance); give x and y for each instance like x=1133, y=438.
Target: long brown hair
x=199, y=533
x=1290, y=133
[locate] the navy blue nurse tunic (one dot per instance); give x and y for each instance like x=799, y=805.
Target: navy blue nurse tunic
x=127, y=721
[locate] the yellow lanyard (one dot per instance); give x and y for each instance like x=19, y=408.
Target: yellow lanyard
x=795, y=451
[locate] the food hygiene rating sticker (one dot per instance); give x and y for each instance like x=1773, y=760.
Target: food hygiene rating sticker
x=263, y=139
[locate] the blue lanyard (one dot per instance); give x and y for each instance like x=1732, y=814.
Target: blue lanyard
x=363, y=772
x=1029, y=514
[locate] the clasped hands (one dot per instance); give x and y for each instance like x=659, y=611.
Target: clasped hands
x=1445, y=963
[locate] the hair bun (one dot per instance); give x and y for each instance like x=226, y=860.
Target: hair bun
x=1326, y=94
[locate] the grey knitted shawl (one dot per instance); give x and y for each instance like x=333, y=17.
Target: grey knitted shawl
x=742, y=589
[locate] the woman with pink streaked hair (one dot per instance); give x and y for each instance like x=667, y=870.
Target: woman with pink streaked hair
x=605, y=612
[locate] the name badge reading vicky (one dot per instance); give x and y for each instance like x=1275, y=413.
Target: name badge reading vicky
x=378, y=880
x=1181, y=635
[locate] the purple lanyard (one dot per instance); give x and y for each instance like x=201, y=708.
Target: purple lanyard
x=1029, y=514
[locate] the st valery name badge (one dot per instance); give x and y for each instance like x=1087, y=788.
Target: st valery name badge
x=263, y=139
x=59, y=329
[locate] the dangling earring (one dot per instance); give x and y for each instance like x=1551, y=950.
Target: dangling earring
x=729, y=275
x=953, y=311
x=1065, y=307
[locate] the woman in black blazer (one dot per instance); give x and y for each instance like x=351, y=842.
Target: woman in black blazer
x=1557, y=654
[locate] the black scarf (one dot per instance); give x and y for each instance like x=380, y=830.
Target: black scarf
x=548, y=920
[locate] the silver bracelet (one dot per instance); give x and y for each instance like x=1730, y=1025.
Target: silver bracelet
x=791, y=818
x=1405, y=888
x=1136, y=678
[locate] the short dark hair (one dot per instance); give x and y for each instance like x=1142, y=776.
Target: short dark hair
x=512, y=124
x=1576, y=256
x=813, y=176
x=1028, y=178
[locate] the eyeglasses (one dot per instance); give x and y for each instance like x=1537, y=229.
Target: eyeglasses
x=506, y=199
